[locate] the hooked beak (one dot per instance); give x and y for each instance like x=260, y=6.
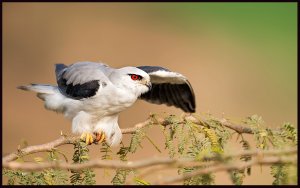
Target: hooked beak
x=149, y=85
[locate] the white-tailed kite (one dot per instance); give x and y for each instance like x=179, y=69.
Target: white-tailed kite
x=93, y=94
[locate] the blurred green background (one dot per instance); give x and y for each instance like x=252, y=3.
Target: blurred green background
x=240, y=58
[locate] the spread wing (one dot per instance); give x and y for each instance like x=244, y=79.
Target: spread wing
x=170, y=88
x=81, y=80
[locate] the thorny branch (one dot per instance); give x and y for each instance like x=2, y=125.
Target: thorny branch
x=263, y=157
x=212, y=164
x=60, y=141
x=71, y=139
x=233, y=166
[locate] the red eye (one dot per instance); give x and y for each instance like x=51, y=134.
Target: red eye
x=135, y=77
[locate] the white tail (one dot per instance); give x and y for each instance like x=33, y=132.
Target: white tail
x=48, y=93
x=39, y=88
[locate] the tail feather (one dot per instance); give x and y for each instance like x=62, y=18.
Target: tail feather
x=23, y=87
x=39, y=88
x=48, y=93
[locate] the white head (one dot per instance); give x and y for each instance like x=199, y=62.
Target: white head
x=131, y=78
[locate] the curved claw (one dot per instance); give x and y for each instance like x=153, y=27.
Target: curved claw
x=100, y=137
x=87, y=137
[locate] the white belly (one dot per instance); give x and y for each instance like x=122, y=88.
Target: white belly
x=101, y=105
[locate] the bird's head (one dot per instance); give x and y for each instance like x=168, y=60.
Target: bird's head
x=132, y=78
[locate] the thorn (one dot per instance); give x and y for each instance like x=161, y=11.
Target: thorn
x=62, y=134
x=208, y=112
x=238, y=136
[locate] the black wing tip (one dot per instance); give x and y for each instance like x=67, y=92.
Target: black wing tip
x=190, y=110
x=187, y=108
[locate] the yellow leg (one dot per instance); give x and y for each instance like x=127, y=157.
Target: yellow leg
x=87, y=137
x=100, y=137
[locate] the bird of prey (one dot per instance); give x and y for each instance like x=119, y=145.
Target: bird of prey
x=93, y=94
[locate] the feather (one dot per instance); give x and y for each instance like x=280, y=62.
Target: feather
x=170, y=88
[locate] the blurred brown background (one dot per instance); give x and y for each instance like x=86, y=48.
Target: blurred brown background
x=240, y=58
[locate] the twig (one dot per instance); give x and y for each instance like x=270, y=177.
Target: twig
x=288, y=151
x=226, y=167
x=112, y=164
x=116, y=164
x=69, y=140
x=61, y=141
x=238, y=128
x=136, y=127
x=40, y=148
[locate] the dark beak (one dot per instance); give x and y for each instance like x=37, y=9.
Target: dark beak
x=149, y=85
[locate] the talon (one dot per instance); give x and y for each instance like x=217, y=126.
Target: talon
x=87, y=137
x=100, y=136
x=91, y=139
x=82, y=137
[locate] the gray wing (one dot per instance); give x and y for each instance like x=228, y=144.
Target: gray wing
x=81, y=80
x=170, y=88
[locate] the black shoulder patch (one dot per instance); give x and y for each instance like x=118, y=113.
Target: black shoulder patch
x=78, y=91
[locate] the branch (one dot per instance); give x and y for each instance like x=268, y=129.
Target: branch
x=40, y=148
x=228, y=167
x=136, y=127
x=70, y=140
x=116, y=164
x=238, y=128
x=61, y=141
x=215, y=166
x=189, y=117
x=112, y=164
